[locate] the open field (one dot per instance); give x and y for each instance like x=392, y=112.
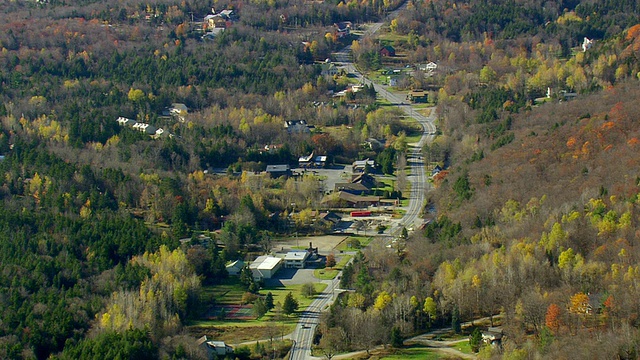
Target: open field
x=236, y=329
x=411, y=352
x=324, y=243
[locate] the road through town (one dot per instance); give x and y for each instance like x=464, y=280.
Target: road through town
x=309, y=320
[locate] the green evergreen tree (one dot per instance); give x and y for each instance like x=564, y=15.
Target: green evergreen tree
x=475, y=340
x=290, y=304
x=455, y=321
x=268, y=301
x=396, y=338
x=259, y=308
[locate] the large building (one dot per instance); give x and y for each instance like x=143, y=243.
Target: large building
x=265, y=266
x=296, y=259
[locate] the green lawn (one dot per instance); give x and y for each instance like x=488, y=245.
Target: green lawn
x=228, y=293
x=325, y=274
x=344, y=245
x=388, y=38
x=463, y=346
x=412, y=352
x=330, y=274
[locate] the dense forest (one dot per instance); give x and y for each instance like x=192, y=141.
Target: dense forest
x=534, y=224
x=538, y=210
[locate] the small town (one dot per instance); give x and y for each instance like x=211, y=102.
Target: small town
x=318, y=179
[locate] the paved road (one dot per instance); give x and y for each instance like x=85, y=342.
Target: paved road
x=418, y=180
x=309, y=320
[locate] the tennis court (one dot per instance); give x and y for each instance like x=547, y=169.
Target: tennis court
x=231, y=312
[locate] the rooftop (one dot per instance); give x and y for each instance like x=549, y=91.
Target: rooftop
x=265, y=262
x=296, y=255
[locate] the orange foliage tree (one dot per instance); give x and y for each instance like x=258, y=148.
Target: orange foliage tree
x=552, y=318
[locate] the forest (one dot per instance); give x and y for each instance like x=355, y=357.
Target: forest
x=535, y=221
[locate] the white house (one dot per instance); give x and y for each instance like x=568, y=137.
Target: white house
x=586, y=44
x=123, y=121
x=264, y=267
x=234, y=268
x=296, y=259
x=428, y=67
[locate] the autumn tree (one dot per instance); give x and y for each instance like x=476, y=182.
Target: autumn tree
x=552, y=318
x=331, y=260
x=580, y=304
x=430, y=310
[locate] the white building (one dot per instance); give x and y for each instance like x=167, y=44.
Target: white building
x=234, y=268
x=295, y=259
x=264, y=267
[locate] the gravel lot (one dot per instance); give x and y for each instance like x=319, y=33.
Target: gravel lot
x=324, y=243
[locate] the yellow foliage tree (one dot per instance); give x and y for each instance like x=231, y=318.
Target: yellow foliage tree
x=382, y=301
x=580, y=304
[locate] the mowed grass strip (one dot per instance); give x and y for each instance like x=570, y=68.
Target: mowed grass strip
x=410, y=353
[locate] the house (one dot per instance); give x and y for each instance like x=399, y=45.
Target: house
x=216, y=21
x=145, y=128
x=265, y=267
x=228, y=15
x=178, y=109
x=305, y=161
x=329, y=217
x=123, y=121
x=342, y=28
x=388, y=51
x=436, y=170
x=214, y=348
x=328, y=69
x=297, y=126
x=296, y=259
x=320, y=161
x=234, y=268
x=362, y=165
x=365, y=179
x=493, y=336
x=586, y=44
x=278, y=170
x=417, y=96
x=375, y=144
x=355, y=189
x=358, y=201
x=429, y=68
x=361, y=184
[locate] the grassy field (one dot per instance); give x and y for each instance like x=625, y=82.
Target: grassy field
x=344, y=245
x=330, y=274
x=463, y=346
x=409, y=353
x=231, y=294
